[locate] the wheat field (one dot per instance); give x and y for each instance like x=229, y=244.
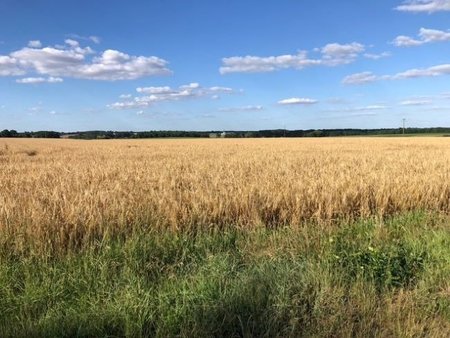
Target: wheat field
x=335, y=237
x=68, y=192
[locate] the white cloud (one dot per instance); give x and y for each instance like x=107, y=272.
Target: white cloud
x=52, y=79
x=114, y=65
x=154, y=90
x=429, y=6
x=425, y=35
x=192, y=85
x=424, y=72
x=95, y=39
x=415, y=102
x=72, y=43
x=53, y=112
x=125, y=96
x=432, y=35
x=140, y=112
x=35, y=80
x=74, y=61
x=34, y=44
x=127, y=105
x=255, y=64
x=360, y=78
x=217, y=89
x=367, y=77
x=297, y=100
x=152, y=95
x=10, y=66
x=337, y=54
x=406, y=41
x=332, y=54
x=377, y=56
x=242, y=108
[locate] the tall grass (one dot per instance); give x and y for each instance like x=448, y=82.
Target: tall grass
x=366, y=279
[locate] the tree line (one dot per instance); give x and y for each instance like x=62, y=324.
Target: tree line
x=100, y=134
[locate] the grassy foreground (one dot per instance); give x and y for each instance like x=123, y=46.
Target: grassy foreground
x=366, y=279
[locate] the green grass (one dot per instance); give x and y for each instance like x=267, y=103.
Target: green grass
x=366, y=279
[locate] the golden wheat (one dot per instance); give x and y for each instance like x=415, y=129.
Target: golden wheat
x=66, y=192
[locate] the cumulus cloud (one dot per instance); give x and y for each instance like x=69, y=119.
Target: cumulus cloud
x=425, y=35
x=359, y=78
x=336, y=54
x=377, y=56
x=154, y=90
x=10, y=66
x=423, y=72
x=34, y=80
x=152, y=95
x=429, y=6
x=432, y=35
x=114, y=65
x=406, y=41
x=297, y=100
x=242, y=108
x=332, y=54
x=367, y=77
x=74, y=61
x=256, y=64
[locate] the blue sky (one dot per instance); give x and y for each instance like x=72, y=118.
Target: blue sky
x=213, y=65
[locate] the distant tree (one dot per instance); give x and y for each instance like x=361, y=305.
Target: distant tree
x=5, y=133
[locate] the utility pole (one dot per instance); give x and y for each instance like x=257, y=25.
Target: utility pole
x=404, y=121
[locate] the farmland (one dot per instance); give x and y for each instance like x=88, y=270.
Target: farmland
x=225, y=237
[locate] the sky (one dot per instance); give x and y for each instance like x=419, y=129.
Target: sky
x=223, y=64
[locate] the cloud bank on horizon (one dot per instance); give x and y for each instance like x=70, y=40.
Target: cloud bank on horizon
x=371, y=74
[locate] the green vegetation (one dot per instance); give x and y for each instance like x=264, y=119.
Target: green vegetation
x=371, y=278
x=101, y=134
